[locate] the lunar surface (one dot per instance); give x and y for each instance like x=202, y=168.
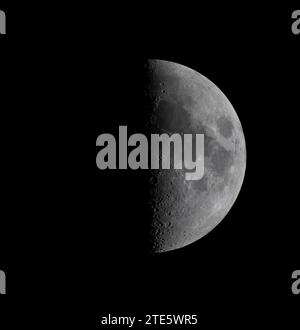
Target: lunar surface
x=181, y=100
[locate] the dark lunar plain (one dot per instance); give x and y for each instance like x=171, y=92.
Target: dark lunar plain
x=77, y=243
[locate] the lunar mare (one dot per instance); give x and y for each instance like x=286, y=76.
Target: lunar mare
x=181, y=100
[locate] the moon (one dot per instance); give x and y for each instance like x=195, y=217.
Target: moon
x=181, y=100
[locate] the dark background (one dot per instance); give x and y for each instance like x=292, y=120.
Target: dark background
x=68, y=70
x=240, y=272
